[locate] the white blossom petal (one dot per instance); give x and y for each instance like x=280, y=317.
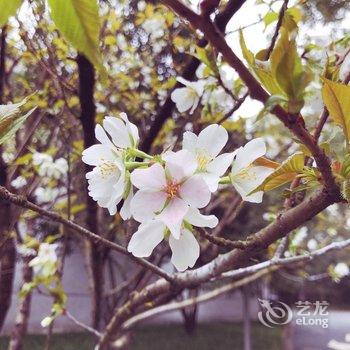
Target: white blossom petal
x=185, y=250
x=131, y=127
x=101, y=136
x=195, y=218
x=125, y=211
x=212, y=139
x=212, y=181
x=118, y=131
x=189, y=141
x=220, y=164
x=96, y=154
x=183, y=98
x=246, y=155
x=195, y=104
x=146, y=238
x=249, y=180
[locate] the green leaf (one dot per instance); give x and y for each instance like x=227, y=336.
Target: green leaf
x=206, y=55
x=248, y=55
x=8, y=9
x=288, y=70
x=285, y=173
x=11, y=120
x=270, y=17
x=79, y=22
x=336, y=97
x=260, y=68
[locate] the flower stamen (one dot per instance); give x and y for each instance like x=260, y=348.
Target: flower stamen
x=172, y=190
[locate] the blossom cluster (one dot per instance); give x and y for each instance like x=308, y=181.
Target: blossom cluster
x=206, y=90
x=166, y=192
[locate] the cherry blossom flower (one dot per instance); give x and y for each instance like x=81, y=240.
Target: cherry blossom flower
x=188, y=97
x=185, y=249
x=341, y=269
x=48, y=167
x=108, y=181
x=154, y=27
x=45, y=263
x=167, y=193
x=41, y=158
x=245, y=176
x=206, y=147
x=19, y=182
x=46, y=194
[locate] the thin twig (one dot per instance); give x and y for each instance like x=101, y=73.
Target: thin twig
x=24, y=203
x=82, y=325
x=277, y=30
x=222, y=242
x=195, y=300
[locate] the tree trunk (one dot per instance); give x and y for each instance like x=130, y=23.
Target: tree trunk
x=7, y=243
x=190, y=314
x=87, y=116
x=23, y=312
x=247, y=327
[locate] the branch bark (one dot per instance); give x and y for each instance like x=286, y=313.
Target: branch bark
x=285, y=223
x=188, y=73
x=87, y=118
x=295, y=123
x=20, y=328
x=7, y=242
x=7, y=196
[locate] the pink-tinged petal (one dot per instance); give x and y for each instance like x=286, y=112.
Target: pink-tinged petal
x=189, y=141
x=180, y=164
x=145, y=204
x=185, y=250
x=146, y=238
x=173, y=214
x=101, y=136
x=220, y=164
x=246, y=155
x=118, y=131
x=97, y=154
x=195, y=218
x=195, y=192
x=212, y=139
x=152, y=178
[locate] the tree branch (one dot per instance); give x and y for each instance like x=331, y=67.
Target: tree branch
x=188, y=73
x=20, y=201
x=278, y=27
x=295, y=123
x=285, y=223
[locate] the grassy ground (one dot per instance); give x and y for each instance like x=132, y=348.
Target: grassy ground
x=218, y=336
